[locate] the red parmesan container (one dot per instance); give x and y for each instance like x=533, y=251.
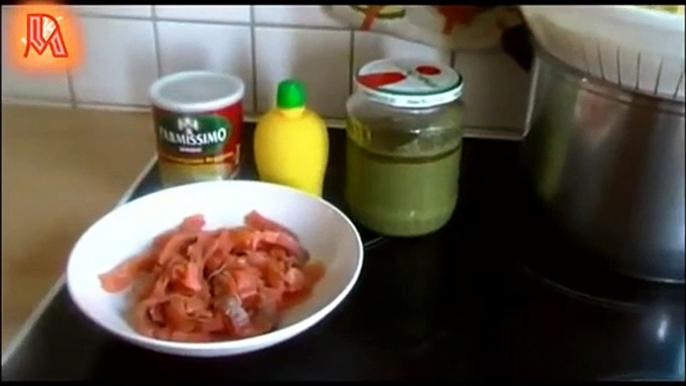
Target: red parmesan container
x=198, y=119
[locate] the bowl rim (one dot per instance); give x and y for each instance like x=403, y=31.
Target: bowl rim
x=266, y=339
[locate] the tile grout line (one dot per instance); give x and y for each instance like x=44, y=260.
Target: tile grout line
x=253, y=63
x=471, y=131
x=114, y=106
x=215, y=22
x=38, y=312
x=156, y=39
x=70, y=87
x=35, y=102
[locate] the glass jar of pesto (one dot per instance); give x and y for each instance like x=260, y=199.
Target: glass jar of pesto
x=404, y=146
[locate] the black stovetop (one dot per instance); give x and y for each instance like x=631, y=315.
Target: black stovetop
x=480, y=299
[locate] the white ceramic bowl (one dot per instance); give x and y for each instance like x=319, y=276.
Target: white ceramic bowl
x=326, y=232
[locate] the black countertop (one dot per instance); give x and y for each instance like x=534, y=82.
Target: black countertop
x=492, y=295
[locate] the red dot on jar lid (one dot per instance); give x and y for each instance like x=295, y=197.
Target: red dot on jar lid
x=428, y=70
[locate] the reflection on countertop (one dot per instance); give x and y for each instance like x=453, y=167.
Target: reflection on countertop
x=61, y=170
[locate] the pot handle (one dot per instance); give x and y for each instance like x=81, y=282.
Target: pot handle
x=516, y=42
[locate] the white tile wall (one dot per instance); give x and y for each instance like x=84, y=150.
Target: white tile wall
x=19, y=85
x=303, y=15
x=321, y=59
x=129, y=46
x=114, y=10
x=120, y=62
x=215, y=47
x=215, y=13
x=495, y=90
x=49, y=88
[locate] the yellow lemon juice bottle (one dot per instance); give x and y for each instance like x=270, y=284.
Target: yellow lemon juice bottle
x=291, y=142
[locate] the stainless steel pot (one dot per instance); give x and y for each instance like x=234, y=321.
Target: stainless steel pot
x=608, y=164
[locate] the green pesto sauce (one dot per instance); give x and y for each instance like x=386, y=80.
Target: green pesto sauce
x=411, y=190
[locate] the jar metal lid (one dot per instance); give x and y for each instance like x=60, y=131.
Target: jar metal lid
x=196, y=91
x=409, y=82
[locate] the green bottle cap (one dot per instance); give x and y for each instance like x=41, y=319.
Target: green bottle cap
x=290, y=94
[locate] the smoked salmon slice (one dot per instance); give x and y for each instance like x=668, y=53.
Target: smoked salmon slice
x=197, y=285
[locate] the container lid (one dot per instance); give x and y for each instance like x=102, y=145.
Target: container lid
x=409, y=82
x=290, y=94
x=196, y=91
